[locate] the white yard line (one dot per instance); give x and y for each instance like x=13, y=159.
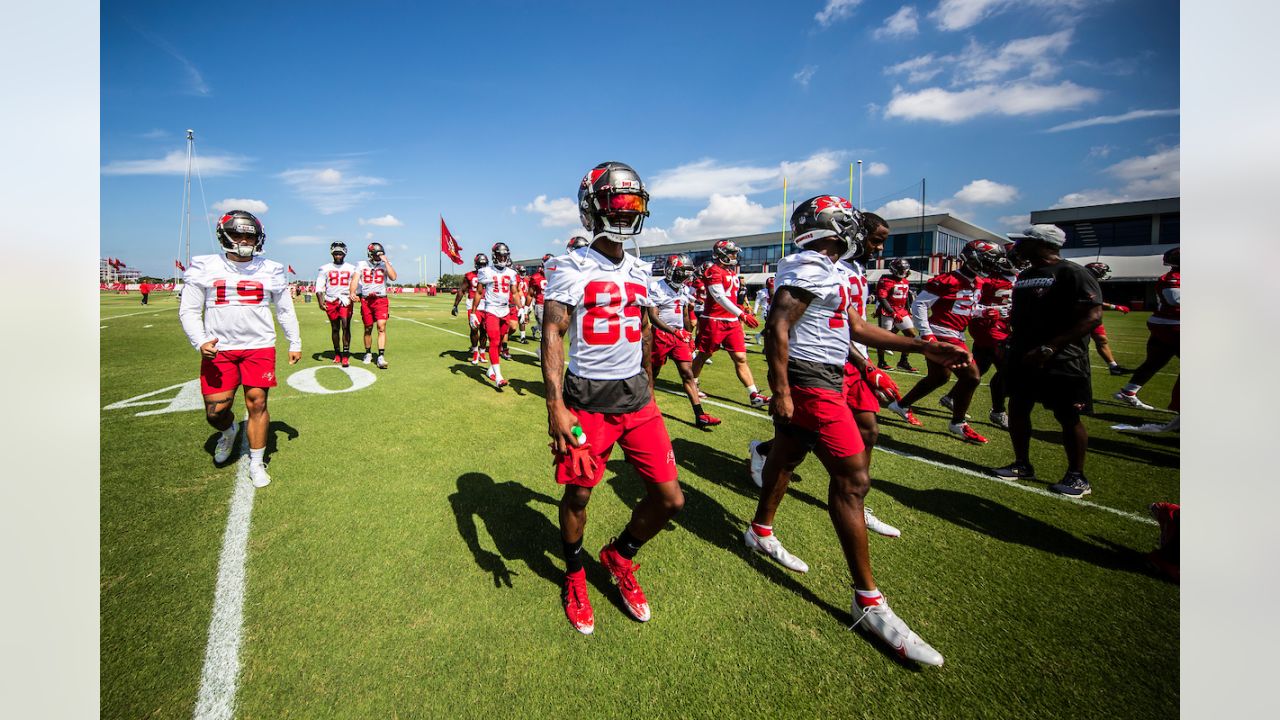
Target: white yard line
x=217, y=697
x=964, y=471
x=143, y=312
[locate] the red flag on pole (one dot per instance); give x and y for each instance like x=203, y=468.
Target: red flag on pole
x=291, y=272
x=448, y=245
x=180, y=266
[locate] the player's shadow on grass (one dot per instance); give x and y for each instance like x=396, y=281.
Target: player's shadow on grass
x=518, y=530
x=713, y=524
x=1005, y=524
x=888, y=441
x=525, y=387
x=1112, y=447
x=475, y=372
x=462, y=356
x=731, y=472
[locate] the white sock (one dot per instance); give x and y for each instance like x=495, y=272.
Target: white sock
x=496, y=370
x=1132, y=388
x=255, y=455
x=752, y=390
x=1113, y=363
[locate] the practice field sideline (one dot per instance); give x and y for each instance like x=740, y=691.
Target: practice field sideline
x=404, y=562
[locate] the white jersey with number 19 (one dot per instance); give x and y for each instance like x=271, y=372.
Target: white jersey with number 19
x=607, y=297
x=231, y=301
x=671, y=302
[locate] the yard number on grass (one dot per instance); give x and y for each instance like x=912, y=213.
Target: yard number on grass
x=187, y=395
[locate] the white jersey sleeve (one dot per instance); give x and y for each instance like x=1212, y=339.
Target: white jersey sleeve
x=605, y=329
x=671, y=303
x=821, y=334
x=235, y=300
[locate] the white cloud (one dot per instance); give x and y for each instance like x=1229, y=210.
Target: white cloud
x=918, y=69
x=1100, y=151
x=195, y=81
x=978, y=64
x=1145, y=177
x=329, y=189
x=961, y=14
x=1019, y=98
x=368, y=235
x=257, y=207
x=561, y=212
x=304, y=240
x=704, y=178
x=902, y=24
x=805, y=74
x=654, y=236
x=387, y=220
x=836, y=10
x=175, y=163
x=905, y=207
x=726, y=215
x=1015, y=222
x=987, y=192
x=876, y=169
x=1113, y=119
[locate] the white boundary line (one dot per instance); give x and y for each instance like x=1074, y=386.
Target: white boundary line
x=217, y=697
x=144, y=312
x=964, y=471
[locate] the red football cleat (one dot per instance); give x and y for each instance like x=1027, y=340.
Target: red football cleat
x=968, y=434
x=337, y=358
x=577, y=606
x=705, y=420
x=346, y=360
x=623, y=571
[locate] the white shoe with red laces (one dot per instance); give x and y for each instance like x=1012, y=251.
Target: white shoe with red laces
x=759, y=400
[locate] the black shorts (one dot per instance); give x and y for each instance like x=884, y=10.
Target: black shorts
x=1053, y=391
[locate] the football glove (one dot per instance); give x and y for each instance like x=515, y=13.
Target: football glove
x=929, y=338
x=344, y=300
x=750, y=320
x=581, y=463
x=473, y=320
x=1124, y=309
x=882, y=385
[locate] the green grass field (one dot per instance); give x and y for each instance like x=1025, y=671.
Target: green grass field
x=404, y=562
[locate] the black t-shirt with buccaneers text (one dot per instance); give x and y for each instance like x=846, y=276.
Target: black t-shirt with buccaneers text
x=1046, y=302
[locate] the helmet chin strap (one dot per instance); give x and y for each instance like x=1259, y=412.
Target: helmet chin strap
x=241, y=250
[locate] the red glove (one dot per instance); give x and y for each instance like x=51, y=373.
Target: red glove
x=750, y=320
x=991, y=313
x=1124, y=309
x=882, y=385
x=580, y=461
x=929, y=338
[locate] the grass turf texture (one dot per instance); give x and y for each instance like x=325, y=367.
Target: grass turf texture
x=404, y=561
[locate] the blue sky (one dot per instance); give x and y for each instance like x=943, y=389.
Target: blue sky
x=369, y=121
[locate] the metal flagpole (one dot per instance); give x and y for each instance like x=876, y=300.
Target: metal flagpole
x=191, y=140
x=859, y=185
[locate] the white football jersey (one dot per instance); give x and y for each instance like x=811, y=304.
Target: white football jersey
x=498, y=285
x=857, y=279
x=822, y=332
x=671, y=302
x=230, y=301
x=605, y=334
x=762, y=300
x=373, y=277
x=334, y=281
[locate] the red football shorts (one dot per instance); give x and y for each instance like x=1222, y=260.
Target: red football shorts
x=715, y=334
x=1099, y=332
x=827, y=415
x=667, y=345
x=958, y=342
x=373, y=308
x=337, y=311
x=230, y=369
x=642, y=435
x=1169, y=335
x=857, y=393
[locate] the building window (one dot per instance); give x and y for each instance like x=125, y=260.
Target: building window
x=1108, y=233
x=1169, y=234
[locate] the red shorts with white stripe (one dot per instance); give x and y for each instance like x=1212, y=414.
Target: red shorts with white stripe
x=715, y=334
x=642, y=435
x=337, y=311
x=825, y=418
x=374, y=308
x=857, y=393
x=667, y=345
x=230, y=369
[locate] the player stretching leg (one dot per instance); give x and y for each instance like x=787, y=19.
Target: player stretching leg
x=501, y=298
x=1165, y=341
x=598, y=295
x=333, y=287
x=370, y=284
x=670, y=319
x=235, y=336
x=893, y=303
x=807, y=344
x=942, y=312
x=721, y=324
x=1102, y=271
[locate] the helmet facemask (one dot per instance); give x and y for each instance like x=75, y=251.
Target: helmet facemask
x=240, y=225
x=612, y=202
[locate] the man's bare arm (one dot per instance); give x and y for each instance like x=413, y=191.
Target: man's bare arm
x=555, y=323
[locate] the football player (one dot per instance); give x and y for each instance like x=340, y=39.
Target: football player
x=502, y=298
x=225, y=315
x=893, y=302
x=369, y=283
x=470, y=290
x=522, y=313
x=722, y=318
x=1165, y=341
x=670, y=319
x=1102, y=271
x=807, y=346
x=942, y=311
x=598, y=295
x=990, y=329
x=333, y=288
x=761, y=307
x=537, y=290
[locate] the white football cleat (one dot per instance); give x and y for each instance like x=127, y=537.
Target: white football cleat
x=884, y=624
x=258, y=474
x=382, y=363
x=757, y=463
x=878, y=526
x=226, y=444
x=1131, y=399
x=999, y=419
x=368, y=358
x=771, y=548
